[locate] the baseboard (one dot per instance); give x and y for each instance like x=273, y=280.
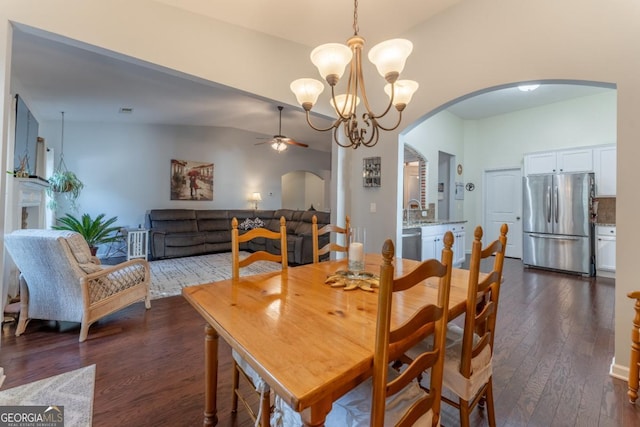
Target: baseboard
x=618, y=371
x=603, y=273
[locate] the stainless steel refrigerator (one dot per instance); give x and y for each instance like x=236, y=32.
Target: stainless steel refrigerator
x=558, y=233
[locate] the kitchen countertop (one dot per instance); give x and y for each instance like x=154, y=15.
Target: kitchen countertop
x=604, y=224
x=431, y=222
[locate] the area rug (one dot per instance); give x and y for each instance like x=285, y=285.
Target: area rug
x=169, y=276
x=72, y=390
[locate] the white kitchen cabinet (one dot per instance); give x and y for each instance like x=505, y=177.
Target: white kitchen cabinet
x=604, y=166
x=574, y=160
x=433, y=242
x=540, y=163
x=605, y=250
x=459, y=235
x=578, y=160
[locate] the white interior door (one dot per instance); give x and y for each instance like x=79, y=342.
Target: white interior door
x=503, y=204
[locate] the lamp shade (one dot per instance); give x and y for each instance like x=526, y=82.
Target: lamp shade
x=404, y=90
x=390, y=56
x=307, y=91
x=256, y=197
x=344, y=104
x=331, y=59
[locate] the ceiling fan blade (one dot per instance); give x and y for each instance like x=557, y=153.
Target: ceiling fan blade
x=294, y=142
x=263, y=142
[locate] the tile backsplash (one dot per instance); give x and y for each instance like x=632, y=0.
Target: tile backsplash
x=606, y=210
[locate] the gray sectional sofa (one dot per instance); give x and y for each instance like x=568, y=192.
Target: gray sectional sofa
x=187, y=232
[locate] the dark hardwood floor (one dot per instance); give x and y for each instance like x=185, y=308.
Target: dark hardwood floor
x=554, y=346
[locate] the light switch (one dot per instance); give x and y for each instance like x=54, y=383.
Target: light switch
x=372, y=208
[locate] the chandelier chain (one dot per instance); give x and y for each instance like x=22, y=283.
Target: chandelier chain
x=356, y=29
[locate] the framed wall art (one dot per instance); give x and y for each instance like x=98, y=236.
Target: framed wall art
x=191, y=180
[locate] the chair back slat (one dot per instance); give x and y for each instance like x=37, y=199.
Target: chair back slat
x=332, y=246
x=237, y=238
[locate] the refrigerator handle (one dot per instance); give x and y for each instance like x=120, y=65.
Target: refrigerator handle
x=557, y=203
x=548, y=204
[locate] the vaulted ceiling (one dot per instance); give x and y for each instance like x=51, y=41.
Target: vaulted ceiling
x=91, y=86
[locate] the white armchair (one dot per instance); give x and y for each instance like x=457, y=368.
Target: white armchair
x=60, y=280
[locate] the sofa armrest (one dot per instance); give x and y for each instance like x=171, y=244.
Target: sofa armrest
x=304, y=249
x=156, y=243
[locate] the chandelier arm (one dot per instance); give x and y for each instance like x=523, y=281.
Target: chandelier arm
x=374, y=138
x=337, y=141
x=363, y=91
x=335, y=124
x=373, y=124
x=341, y=116
x=395, y=126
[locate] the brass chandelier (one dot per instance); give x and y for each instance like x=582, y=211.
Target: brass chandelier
x=389, y=57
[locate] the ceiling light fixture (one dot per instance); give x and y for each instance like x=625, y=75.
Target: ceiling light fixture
x=279, y=145
x=528, y=88
x=331, y=59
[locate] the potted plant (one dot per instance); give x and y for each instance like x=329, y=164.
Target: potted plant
x=64, y=182
x=96, y=231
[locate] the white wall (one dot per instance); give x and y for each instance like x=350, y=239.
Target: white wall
x=126, y=168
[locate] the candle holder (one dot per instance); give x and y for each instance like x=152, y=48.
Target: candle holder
x=357, y=237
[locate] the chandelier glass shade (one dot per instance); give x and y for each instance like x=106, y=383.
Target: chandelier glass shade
x=331, y=59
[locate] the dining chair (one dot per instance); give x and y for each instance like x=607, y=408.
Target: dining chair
x=634, y=364
x=392, y=398
x=330, y=246
x=240, y=365
x=468, y=366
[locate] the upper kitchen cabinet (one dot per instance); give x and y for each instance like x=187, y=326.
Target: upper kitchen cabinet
x=575, y=160
x=604, y=166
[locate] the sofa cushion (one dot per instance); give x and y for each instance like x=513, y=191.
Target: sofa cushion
x=184, y=239
x=212, y=220
x=217, y=236
x=171, y=214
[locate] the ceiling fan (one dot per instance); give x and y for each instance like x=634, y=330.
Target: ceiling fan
x=279, y=142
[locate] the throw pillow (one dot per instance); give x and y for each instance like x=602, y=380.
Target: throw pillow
x=250, y=224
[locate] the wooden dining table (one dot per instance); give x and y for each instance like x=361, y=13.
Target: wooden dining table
x=309, y=341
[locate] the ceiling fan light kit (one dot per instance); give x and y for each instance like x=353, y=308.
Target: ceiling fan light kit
x=279, y=142
x=331, y=59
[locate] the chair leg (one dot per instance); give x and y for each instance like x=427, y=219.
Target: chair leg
x=236, y=384
x=84, y=331
x=464, y=413
x=265, y=408
x=634, y=374
x=491, y=414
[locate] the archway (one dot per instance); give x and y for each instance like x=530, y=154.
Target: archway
x=303, y=190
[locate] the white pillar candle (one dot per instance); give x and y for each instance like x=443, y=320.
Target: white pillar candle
x=356, y=252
